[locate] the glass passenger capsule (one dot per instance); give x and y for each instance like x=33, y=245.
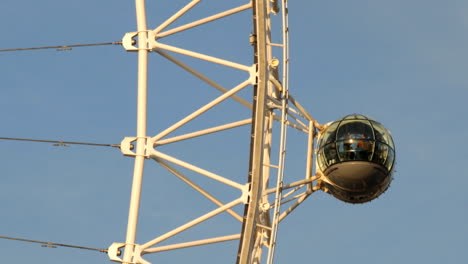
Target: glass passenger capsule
x=356, y=155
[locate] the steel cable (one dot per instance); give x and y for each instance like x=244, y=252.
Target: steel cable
x=51, y=244
x=61, y=143
x=64, y=47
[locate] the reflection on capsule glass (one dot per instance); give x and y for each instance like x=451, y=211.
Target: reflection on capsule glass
x=356, y=155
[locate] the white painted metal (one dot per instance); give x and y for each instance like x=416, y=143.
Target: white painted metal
x=204, y=78
x=202, y=110
x=291, y=124
x=204, y=132
x=175, y=16
x=205, y=20
x=310, y=154
x=261, y=195
x=201, y=56
x=193, y=243
x=251, y=234
x=197, y=188
x=141, y=132
x=291, y=208
x=157, y=154
x=191, y=223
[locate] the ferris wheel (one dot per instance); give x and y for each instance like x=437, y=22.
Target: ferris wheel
x=351, y=158
x=273, y=111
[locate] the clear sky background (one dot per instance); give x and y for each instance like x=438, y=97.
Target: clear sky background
x=403, y=63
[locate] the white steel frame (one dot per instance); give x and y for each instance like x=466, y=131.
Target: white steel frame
x=262, y=194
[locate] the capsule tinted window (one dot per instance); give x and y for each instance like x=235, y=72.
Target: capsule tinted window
x=354, y=129
x=330, y=154
x=382, y=134
x=320, y=160
x=346, y=150
x=390, y=159
x=329, y=135
x=390, y=140
x=365, y=150
x=381, y=153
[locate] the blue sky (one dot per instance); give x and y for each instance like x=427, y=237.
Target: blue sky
x=402, y=62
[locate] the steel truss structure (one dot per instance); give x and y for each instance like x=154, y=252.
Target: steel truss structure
x=267, y=188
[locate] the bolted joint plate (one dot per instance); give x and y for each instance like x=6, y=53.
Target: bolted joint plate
x=253, y=74
x=129, y=40
x=245, y=193
x=126, y=147
x=115, y=250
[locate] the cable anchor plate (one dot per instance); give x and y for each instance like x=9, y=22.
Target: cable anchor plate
x=129, y=143
x=115, y=250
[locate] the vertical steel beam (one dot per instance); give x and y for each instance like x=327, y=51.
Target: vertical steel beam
x=251, y=210
x=141, y=131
